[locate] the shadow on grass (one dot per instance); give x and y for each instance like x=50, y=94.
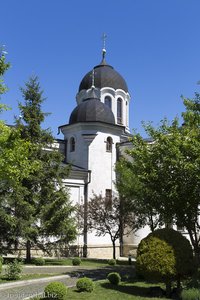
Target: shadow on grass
x=153, y=291
x=102, y=273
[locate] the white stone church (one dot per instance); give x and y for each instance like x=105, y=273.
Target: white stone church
x=98, y=128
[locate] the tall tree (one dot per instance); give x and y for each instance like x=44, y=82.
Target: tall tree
x=108, y=217
x=49, y=211
x=166, y=172
x=14, y=167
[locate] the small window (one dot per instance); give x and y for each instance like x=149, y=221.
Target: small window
x=108, y=198
x=109, y=144
x=119, y=111
x=108, y=102
x=72, y=144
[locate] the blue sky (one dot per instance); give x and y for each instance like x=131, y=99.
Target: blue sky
x=153, y=44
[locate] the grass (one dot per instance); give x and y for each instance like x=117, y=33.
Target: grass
x=104, y=290
x=68, y=262
x=84, y=262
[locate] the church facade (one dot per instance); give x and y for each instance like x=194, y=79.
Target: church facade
x=98, y=127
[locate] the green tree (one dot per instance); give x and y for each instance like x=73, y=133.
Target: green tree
x=48, y=209
x=108, y=216
x=3, y=68
x=14, y=167
x=164, y=177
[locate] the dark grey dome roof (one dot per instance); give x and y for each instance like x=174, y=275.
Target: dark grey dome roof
x=92, y=110
x=104, y=76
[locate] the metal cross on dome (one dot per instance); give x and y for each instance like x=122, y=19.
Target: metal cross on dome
x=104, y=37
x=92, y=75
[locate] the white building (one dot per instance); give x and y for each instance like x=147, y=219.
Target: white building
x=97, y=126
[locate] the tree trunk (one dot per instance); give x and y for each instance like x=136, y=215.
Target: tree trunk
x=85, y=250
x=197, y=255
x=28, y=251
x=178, y=285
x=168, y=288
x=114, y=253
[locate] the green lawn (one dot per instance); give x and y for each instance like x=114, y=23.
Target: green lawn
x=105, y=291
x=84, y=262
x=68, y=262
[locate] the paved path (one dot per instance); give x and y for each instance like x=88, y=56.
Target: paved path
x=21, y=290
x=32, y=289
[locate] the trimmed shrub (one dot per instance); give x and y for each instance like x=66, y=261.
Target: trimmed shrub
x=1, y=260
x=13, y=270
x=112, y=262
x=39, y=261
x=114, y=278
x=55, y=291
x=1, y=263
x=85, y=285
x=165, y=255
x=76, y=261
x=190, y=294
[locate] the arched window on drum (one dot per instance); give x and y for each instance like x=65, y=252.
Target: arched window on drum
x=72, y=144
x=119, y=111
x=108, y=101
x=109, y=143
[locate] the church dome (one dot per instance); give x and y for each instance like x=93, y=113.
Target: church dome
x=104, y=76
x=92, y=110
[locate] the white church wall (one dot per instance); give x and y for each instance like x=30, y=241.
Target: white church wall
x=102, y=164
x=78, y=157
x=76, y=192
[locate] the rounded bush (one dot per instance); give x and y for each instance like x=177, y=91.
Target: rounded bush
x=85, y=285
x=76, y=261
x=190, y=294
x=55, y=291
x=164, y=255
x=112, y=262
x=13, y=270
x=39, y=261
x=114, y=278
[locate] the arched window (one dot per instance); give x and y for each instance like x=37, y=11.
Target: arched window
x=109, y=142
x=119, y=111
x=108, y=101
x=72, y=144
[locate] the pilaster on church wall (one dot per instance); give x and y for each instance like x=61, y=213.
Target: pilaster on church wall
x=102, y=164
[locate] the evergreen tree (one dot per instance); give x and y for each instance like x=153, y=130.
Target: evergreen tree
x=14, y=167
x=48, y=209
